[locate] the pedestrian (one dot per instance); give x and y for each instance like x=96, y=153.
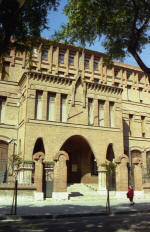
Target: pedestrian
x=130, y=195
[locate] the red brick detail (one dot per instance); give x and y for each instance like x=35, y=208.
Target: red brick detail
x=60, y=172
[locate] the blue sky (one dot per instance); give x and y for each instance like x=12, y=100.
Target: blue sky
x=57, y=18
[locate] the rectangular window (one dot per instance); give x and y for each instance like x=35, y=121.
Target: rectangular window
x=90, y=111
x=45, y=54
x=63, y=108
x=51, y=107
x=71, y=59
x=61, y=56
x=38, y=105
x=101, y=112
x=111, y=114
x=2, y=109
x=35, y=52
x=96, y=61
x=86, y=62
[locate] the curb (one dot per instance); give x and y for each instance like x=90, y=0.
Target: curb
x=50, y=216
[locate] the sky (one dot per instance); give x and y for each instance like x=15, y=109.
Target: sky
x=57, y=18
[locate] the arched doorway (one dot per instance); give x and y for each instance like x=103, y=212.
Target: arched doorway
x=80, y=163
x=3, y=161
x=110, y=156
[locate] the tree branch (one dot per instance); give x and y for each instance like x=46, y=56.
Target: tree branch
x=140, y=62
x=145, y=4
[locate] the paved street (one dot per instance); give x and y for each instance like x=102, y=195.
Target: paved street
x=135, y=222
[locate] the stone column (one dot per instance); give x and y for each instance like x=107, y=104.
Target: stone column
x=44, y=108
x=106, y=113
x=58, y=102
x=122, y=175
x=138, y=188
x=102, y=180
x=60, y=176
x=95, y=112
x=25, y=174
x=38, y=177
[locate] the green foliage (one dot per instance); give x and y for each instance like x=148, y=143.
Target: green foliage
x=15, y=160
x=24, y=25
x=124, y=24
x=110, y=169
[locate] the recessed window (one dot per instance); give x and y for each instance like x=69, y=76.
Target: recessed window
x=101, y=104
x=96, y=61
x=51, y=106
x=44, y=54
x=38, y=104
x=61, y=56
x=71, y=59
x=35, y=52
x=111, y=114
x=86, y=63
x=63, y=108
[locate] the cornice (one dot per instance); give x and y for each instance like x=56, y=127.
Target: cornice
x=102, y=87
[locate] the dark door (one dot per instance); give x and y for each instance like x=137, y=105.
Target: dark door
x=48, y=180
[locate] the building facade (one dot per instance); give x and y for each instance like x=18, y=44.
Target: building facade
x=66, y=114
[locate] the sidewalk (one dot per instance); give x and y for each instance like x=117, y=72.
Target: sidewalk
x=71, y=208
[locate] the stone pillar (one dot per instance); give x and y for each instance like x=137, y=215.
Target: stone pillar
x=25, y=174
x=106, y=113
x=44, y=108
x=122, y=175
x=60, y=176
x=102, y=180
x=58, y=102
x=138, y=188
x=38, y=177
x=95, y=112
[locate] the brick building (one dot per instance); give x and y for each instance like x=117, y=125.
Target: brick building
x=66, y=114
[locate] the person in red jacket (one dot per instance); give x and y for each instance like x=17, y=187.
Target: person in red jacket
x=130, y=195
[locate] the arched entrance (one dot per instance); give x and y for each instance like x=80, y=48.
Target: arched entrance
x=3, y=161
x=80, y=163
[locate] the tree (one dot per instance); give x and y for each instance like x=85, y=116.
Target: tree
x=24, y=23
x=110, y=169
x=124, y=24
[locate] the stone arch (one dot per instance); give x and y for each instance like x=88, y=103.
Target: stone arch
x=79, y=163
x=136, y=156
x=39, y=146
x=3, y=161
x=5, y=138
x=110, y=156
x=57, y=156
x=122, y=158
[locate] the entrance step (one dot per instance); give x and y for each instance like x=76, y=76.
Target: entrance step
x=80, y=191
